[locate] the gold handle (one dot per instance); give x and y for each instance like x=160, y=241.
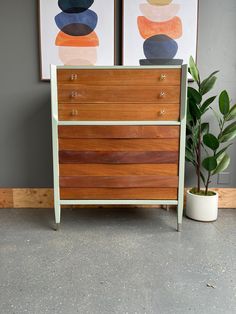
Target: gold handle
x=162, y=77
x=161, y=112
x=74, y=94
x=162, y=94
x=74, y=77
x=74, y=112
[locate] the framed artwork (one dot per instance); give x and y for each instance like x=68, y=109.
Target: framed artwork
x=159, y=31
x=76, y=32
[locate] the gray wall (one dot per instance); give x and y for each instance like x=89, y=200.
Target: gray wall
x=25, y=130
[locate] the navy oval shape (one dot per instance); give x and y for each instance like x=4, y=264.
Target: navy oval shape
x=160, y=47
x=74, y=6
x=77, y=24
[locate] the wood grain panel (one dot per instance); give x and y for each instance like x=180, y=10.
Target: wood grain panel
x=32, y=198
x=118, y=157
x=118, y=170
x=116, y=194
x=118, y=131
x=68, y=93
x=114, y=145
x=121, y=76
x=117, y=112
x=6, y=198
x=119, y=182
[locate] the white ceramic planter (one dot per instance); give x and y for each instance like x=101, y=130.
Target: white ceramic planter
x=202, y=208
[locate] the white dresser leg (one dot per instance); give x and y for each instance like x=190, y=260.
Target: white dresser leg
x=57, y=210
x=179, y=216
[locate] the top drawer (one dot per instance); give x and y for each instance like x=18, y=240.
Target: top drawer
x=142, y=77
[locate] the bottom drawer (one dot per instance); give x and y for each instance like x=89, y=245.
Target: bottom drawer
x=118, y=193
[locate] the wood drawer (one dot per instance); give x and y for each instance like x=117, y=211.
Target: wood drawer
x=120, y=131
x=78, y=157
x=141, y=77
x=74, y=170
x=118, y=194
x=119, y=112
x=72, y=94
x=119, y=145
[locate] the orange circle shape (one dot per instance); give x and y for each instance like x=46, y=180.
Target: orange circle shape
x=171, y=28
x=90, y=40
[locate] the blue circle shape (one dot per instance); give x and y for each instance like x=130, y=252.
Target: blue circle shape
x=74, y=6
x=77, y=24
x=160, y=47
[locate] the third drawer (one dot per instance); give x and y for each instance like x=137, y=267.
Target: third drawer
x=116, y=112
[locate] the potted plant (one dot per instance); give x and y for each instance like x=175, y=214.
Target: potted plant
x=207, y=152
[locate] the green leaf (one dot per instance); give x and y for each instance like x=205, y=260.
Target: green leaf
x=193, y=69
x=224, y=103
x=207, y=103
x=222, y=151
x=205, y=128
x=223, y=164
x=194, y=95
x=231, y=114
x=189, y=155
x=209, y=163
x=207, y=85
x=211, y=141
x=194, y=110
x=227, y=137
x=230, y=128
x=195, y=135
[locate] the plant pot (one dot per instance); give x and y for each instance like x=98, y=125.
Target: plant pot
x=202, y=208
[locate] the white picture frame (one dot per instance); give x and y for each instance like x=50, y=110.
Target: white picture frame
x=91, y=44
x=152, y=19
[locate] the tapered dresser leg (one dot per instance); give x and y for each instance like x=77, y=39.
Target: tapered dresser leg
x=179, y=216
x=57, y=216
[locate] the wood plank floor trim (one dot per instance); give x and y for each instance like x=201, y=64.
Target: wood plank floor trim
x=43, y=198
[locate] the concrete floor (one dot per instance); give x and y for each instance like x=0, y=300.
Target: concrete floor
x=116, y=261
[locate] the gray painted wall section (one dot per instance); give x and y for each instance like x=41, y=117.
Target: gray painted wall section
x=25, y=127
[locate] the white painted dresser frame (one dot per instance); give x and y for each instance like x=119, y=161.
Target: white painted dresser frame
x=182, y=123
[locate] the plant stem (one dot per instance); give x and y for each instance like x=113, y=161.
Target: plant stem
x=199, y=157
x=222, y=127
x=207, y=183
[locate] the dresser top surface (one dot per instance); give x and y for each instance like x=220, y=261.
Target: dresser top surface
x=118, y=67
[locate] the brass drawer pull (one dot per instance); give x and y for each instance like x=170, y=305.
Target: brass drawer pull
x=74, y=94
x=161, y=112
x=162, y=77
x=74, y=77
x=74, y=112
x=162, y=94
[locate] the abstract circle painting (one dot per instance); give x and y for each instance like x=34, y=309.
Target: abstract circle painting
x=162, y=31
x=76, y=32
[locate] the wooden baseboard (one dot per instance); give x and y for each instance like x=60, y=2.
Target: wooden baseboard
x=43, y=198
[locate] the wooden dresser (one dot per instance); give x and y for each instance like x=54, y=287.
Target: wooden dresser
x=119, y=136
